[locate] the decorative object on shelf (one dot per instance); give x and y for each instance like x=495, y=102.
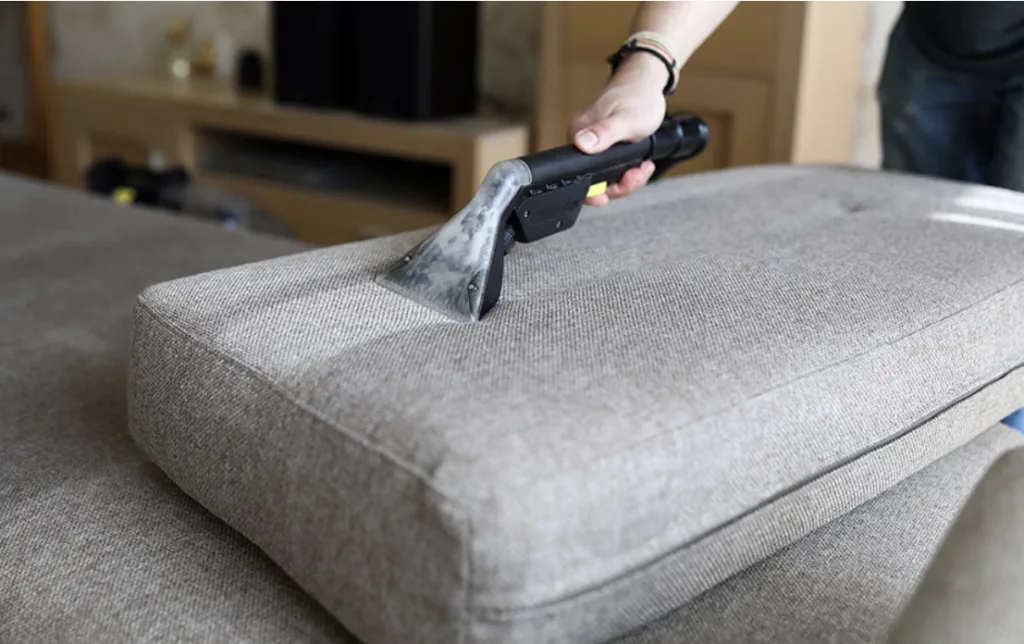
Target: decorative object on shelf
x=179, y=63
x=205, y=60
x=250, y=72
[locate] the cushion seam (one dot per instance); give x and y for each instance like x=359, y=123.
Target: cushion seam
x=464, y=522
x=507, y=615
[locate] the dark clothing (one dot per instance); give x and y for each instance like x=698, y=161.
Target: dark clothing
x=969, y=36
x=952, y=97
x=948, y=123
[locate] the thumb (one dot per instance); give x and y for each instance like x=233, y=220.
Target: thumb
x=604, y=133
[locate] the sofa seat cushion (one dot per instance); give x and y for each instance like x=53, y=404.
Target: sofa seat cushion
x=688, y=381
x=973, y=589
x=849, y=580
x=96, y=544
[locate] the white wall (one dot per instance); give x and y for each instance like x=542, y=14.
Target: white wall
x=114, y=38
x=866, y=149
x=509, y=54
x=102, y=38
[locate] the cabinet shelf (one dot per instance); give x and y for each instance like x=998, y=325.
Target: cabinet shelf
x=334, y=176
x=328, y=217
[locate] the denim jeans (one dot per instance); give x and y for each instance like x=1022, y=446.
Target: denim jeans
x=950, y=124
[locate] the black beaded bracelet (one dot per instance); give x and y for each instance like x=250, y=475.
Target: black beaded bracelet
x=634, y=45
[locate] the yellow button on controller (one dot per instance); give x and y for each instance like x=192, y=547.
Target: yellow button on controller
x=597, y=189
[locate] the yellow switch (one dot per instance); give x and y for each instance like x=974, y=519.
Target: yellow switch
x=123, y=195
x=597, y=189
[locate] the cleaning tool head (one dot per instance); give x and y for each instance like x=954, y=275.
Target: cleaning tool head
x=448, y=271
x=458, y=269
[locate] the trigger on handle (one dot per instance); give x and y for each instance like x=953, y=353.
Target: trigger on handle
x=597, y=189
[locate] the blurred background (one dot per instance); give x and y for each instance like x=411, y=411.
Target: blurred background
x=349, y=120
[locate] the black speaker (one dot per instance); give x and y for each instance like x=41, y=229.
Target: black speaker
x=400, y=60
x=249, y=72
x=313, y=52
x=417, y=60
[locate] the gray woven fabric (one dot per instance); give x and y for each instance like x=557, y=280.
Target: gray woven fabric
x=677, y=388
x=974, y=589
x=529, y=474
x=846, y=582
x=96, y=545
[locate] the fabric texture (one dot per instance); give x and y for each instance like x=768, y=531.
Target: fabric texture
x=973, y=590
x=847, y=582
x=96, y=544
x=682, y=385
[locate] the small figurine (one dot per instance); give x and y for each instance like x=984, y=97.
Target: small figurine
x=179, y=63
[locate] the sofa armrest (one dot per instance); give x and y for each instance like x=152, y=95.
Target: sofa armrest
x=974, y=588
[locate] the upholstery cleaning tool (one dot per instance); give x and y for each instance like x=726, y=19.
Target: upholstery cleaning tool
x=458, y=269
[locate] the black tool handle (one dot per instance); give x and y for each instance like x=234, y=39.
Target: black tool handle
x=563, y=177
x=680, y=137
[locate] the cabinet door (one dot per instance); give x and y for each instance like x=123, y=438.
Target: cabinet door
x=745, y=44
x=735, y=111
x=727, y=83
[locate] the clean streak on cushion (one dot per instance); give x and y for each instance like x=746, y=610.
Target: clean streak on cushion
x=680, y=386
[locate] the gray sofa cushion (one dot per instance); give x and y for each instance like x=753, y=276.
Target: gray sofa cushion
x=847, y=581
x=974, y=588
x=96, y=545
x=682, y=385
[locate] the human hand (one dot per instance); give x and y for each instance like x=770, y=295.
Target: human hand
x=629, y=108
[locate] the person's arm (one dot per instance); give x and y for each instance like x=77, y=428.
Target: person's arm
x=632, y=103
